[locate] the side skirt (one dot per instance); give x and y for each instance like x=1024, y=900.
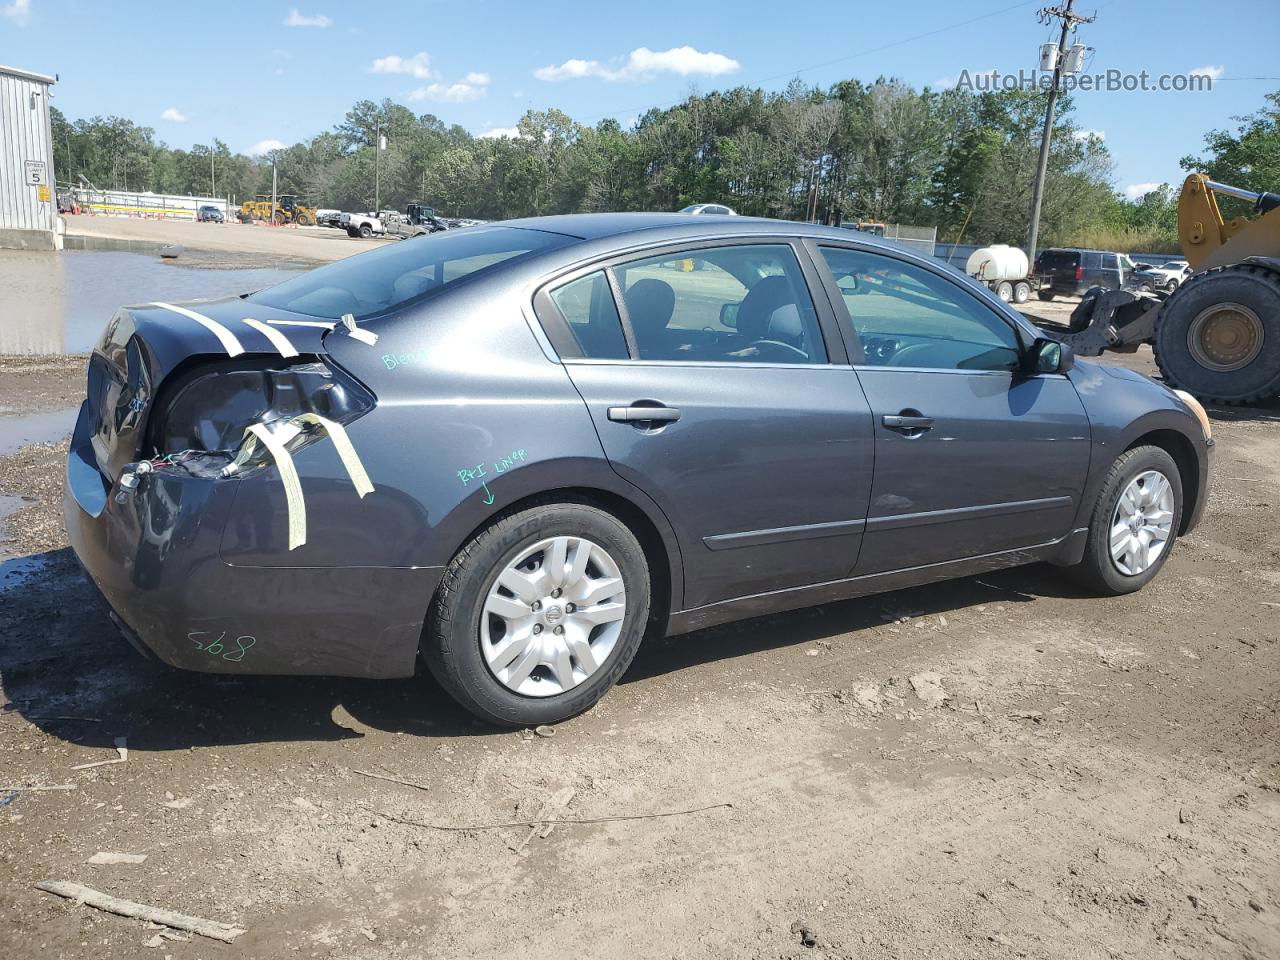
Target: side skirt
x=1063, y=551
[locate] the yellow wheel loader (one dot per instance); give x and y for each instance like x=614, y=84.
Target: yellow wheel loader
x=287, y=210
x=1218, y=334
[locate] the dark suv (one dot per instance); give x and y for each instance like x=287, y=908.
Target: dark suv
x=1070, y=271
x=208, y=214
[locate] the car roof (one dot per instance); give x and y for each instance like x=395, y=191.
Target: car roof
x=683, y=226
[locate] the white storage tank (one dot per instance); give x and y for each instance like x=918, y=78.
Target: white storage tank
x=997, y=262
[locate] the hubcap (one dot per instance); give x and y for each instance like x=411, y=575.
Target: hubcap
x=552, y=617
x=1142, y=523
x=1225, y=337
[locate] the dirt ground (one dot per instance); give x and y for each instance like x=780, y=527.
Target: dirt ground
x=289, y=243
x=993, y=767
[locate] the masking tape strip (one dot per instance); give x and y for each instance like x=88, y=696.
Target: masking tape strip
x=292, y=485
x=278, y=339
x=364, y=336
x=225, y=336
x=303, y=323
x=346, y=451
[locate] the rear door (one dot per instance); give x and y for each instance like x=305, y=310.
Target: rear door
x=719, y=389
x=973, y=457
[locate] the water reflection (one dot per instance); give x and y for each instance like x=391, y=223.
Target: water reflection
x=54, y=303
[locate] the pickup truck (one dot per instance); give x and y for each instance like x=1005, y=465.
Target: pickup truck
x=361, y=224
x=405, y=226
x=1167, y=277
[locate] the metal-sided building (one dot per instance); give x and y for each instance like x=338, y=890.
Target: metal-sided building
x=28, y=192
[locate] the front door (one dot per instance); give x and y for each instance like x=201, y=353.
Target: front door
x=711, y=385
x=973, y=456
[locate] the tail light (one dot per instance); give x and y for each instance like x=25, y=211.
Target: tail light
x=1079, y=273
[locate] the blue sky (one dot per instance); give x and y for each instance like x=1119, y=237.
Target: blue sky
x=252, y=72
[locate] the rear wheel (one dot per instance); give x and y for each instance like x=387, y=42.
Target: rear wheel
x=1217, y=336
x=1004, y=290
x=1134, y=522
x=352, y=232
x=539, y=614
x=1045, y=295
x=1021, y=292
x=281, y=218
x=366, y=231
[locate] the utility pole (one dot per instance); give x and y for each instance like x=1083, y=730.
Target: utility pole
x=273, y=186
x=1069, y=19
x=213, y=190
x=377, y=168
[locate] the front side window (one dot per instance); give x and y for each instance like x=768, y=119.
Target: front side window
x=907, y=316
x=744, y=303
x=375, y=282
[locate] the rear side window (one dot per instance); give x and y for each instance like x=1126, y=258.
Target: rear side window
x=1093, y=261
x=1059, y=259
x=395, y=275
x=743, y=304
x=592, y=317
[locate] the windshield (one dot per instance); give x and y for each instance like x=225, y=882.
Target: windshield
x=378, y=281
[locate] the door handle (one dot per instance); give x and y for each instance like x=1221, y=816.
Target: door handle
x=906, y=423
x=637, y=413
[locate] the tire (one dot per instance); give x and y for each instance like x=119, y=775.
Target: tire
x=1004, y=290
x=366, y=231
x=1098, y=571
x=1171, y=286
x=1244, y=375
x=1045, y=295
x=281, y=218
x=454, y=640
x=1021, y=292
x=353, y=233
x=303, y=220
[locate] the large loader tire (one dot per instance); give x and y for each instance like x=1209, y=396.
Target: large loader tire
x=1218, y=336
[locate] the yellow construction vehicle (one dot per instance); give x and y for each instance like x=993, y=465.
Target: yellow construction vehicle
x=288, y=210
x=1218, y=334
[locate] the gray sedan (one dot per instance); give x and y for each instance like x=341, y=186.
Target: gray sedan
x=515, y=450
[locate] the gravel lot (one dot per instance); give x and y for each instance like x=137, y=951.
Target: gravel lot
x=994, y=767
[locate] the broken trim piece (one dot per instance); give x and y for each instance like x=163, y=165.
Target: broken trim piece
x=278, y=339
x=225, y=336
x=364, y=336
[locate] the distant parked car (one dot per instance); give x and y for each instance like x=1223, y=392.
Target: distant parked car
x=710, y=208
x=1168, y=277
x=1070, y=271
x=343, y=496
x=207, y=214
x=361, y=224
x=328, y=218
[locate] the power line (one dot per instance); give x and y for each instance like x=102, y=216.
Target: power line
x=827, y=63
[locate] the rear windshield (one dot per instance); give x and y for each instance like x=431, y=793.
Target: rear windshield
x=1052, y=259
x=375, y=282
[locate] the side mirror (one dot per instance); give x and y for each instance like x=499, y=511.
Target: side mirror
x=1050, y=356
x=729, y=315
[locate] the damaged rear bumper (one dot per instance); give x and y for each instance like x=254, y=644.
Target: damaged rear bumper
x=155, y=559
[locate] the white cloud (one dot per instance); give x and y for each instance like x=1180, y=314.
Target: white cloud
x=174, y=115
x=500, y=133
x=264, y=146
x=472, y=87
x=296, y=19
x=1089, y=135
x=19, y=11
x=1136, y=191
x=281, y=53
x=643, y=64
x=418, y=66
x=1210, y=71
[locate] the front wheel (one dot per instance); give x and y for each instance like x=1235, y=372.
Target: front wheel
x=1134, y=523
x=539, y=614
x=1004, y=290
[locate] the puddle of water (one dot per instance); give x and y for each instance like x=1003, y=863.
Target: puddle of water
x=54, y=303
x=17, y=432
x=15, y=571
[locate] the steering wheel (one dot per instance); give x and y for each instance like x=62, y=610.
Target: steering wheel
x=900, y=356
x=794, y=351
